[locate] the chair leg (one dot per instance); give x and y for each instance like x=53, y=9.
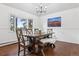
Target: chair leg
x=53, y=45
x=42, y=52
x=24, y=51
x=18, y=50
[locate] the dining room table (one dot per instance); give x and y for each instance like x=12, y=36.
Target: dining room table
x=35, y=38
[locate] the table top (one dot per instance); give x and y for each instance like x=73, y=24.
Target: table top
x=37, y=35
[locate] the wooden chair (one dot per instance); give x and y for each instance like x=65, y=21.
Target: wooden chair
x=22, y=42
x=50, y=40
x=37, y=44
x=36, y=31
x=50, y=31
x=29, y=31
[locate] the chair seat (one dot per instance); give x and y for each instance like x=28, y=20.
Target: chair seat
x=26, y=43
x=51, y=40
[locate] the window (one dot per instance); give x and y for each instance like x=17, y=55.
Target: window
x=21, y=23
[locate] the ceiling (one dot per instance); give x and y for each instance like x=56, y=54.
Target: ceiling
x=51, y=7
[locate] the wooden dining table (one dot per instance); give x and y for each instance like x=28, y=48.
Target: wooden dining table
x=34, y=39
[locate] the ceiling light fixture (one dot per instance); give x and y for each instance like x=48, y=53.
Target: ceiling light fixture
x=41, y=9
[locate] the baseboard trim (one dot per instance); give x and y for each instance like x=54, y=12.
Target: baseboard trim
x=68, y=42
x=8, y=43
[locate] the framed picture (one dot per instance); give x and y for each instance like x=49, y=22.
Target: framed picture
x=54, y=22
x=30, y=23
x=12, y=23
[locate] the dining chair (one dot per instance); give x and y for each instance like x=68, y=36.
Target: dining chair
x=29, y=31
x=36, y=31
x=50, y=31
x=23, y=42
x=37, y=45
x=50, y=40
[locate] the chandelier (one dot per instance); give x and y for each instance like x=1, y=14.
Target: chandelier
x=41, y=9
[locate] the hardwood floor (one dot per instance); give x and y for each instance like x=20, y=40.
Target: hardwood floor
x=61, y=49
x=9, y=50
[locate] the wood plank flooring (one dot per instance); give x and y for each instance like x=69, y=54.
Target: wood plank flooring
x=61, y=49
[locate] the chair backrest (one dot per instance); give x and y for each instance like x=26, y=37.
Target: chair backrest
x=49, y=30
x=29, y=31
x=23, y=31
x=20, y=36
x=36, y=31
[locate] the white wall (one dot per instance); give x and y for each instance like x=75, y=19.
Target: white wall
x=5, y=34
x=69, y=32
